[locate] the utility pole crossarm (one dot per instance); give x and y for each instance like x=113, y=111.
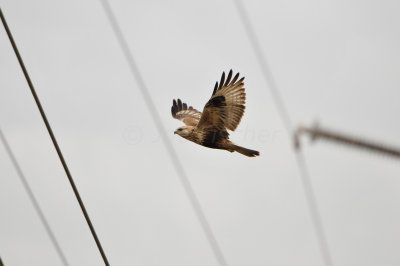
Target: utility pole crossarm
x=316, y=132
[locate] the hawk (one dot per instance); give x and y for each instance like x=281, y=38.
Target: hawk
x=221, y=113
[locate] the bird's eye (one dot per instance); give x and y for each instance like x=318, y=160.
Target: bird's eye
x=179, y=129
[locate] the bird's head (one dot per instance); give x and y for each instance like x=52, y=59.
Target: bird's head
x=183, y=131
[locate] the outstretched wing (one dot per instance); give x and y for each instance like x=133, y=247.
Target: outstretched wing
x=226, y=107
x=186, y=114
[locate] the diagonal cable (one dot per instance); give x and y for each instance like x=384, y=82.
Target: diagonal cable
x=283, y=112
x=33, y=199
x=160, y=126
x=53, y=139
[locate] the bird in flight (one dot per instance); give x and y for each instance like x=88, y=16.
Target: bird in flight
x=222, y=112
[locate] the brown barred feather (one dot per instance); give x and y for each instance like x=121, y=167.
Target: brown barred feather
x=189, y=116
x=231, y=111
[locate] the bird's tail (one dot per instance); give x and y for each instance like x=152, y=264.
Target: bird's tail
x=244, y=151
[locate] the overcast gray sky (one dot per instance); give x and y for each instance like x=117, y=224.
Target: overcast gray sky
x=333, y=60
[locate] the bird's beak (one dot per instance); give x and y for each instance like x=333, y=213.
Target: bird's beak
x=175, y=132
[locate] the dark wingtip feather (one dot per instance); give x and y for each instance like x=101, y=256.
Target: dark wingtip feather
x=221, y=83
x=228, y=79
x=179, y=104
x=215, y=88
x=235, y=78
x=184, y=106
x=173, y=111
x=174, y=108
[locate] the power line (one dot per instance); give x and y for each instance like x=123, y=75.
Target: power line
x=169, y=147
x=316, y=132
x=53, y=138
x=283, y=112
x=33, y=199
